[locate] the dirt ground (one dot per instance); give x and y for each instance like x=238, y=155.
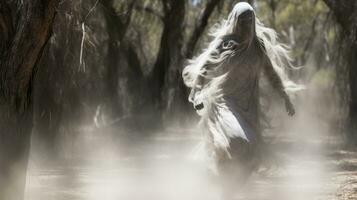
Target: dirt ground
x=346, y=174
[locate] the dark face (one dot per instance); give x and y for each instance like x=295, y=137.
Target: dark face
x=245, y=27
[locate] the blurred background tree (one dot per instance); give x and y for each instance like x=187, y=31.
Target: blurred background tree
x=118, y=63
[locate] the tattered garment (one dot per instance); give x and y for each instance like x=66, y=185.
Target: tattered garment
x=229, y=92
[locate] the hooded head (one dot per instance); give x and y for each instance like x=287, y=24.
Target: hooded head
x=241, y=22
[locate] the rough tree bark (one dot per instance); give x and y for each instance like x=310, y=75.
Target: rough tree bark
x=345, y=12
x=22, y=38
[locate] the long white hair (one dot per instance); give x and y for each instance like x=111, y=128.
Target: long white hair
x=277, y=52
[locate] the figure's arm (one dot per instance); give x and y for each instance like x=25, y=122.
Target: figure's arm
x=277, y=84
x=227, y=43
x=197, y=86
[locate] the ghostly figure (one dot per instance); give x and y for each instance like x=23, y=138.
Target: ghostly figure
x=224, y=82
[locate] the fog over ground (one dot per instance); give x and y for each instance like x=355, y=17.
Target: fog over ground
x=84, y=82
x=112, y=164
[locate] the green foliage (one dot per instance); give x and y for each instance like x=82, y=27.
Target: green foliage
x=297, y=21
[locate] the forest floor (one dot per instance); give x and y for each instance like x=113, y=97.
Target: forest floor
x=157, y=167
x=346, y=175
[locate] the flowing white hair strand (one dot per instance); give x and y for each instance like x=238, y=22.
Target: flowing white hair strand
x=278, y=53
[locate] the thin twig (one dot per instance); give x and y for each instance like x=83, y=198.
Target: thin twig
x=90, y=11
x=82, y=46
x=84, y=35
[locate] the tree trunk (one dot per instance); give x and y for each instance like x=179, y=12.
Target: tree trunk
x=47, y=102
x=124, y=75
x=352, y=123
x=14, y=150
x=169, y=52
x=53, y=105
x=170, y=94
x=116, y=28
x=345, y=12
x=24, y=41
x=273, y=6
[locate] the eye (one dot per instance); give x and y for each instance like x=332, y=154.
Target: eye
x=225, y=45
x=228, y=44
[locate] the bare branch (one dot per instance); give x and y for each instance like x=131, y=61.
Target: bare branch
x=81, y=64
